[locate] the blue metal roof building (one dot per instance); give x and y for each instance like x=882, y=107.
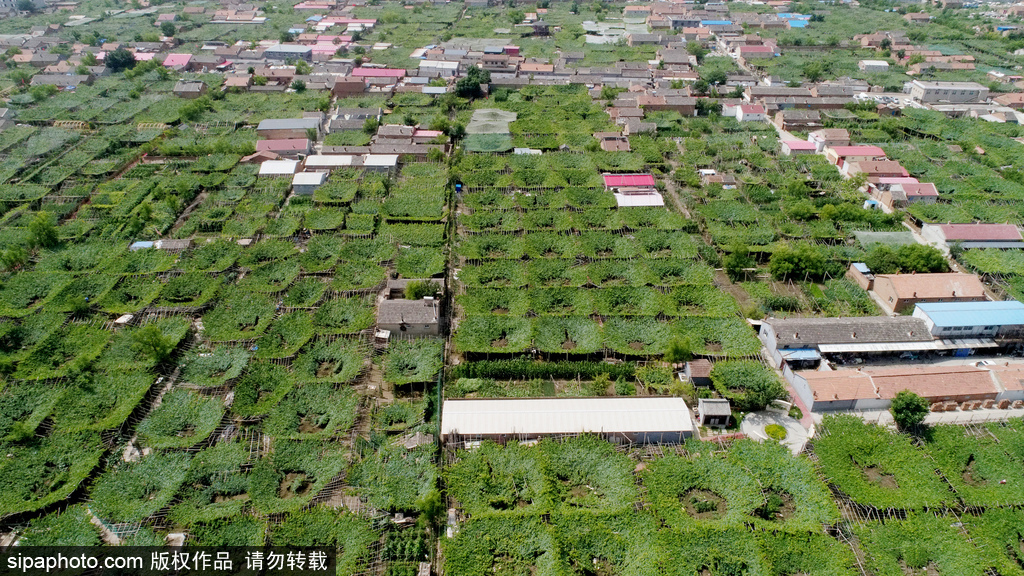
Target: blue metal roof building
x=959, y=319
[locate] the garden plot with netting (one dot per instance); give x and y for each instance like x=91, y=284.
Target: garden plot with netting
x=570, y=506
x=548, y=263
x=217, y=388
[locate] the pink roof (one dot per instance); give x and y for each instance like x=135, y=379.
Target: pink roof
x=752, y=109
x=617, y=180
x=177, y=60
x=426, y=133
x=800, y=144
x=980, y=232
x=282, y=144
x=858, y=151
x=378, y=73
x=143, y=56
x=920, y=189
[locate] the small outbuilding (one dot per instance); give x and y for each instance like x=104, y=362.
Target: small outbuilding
x=713, y=412
x=410, y=317
x=306, y=183
x=698, y=372
x=189, y=89
x=272, y=168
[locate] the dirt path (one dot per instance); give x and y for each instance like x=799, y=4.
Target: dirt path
x=185, y=214
x=671, y=191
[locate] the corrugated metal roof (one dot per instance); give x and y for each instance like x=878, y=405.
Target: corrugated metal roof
x=288, y=124
x=616, y=180
x=955, y=344
x=1003, y=313
x=278, y=167
x=639, y=200
x=564, y=416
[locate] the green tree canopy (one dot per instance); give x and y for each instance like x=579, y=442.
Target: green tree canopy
x=908, y=409
x=120, y=59
x=798, y=261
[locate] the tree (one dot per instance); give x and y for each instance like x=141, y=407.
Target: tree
x=706, y=107
x=882, y=259
x=801, y=210
x=14, y=257
x=418, y=289
x=885, y=44
x=287, y=37
x=42, y=92
x=120, y=59
x=168, y=29
x=802, y=260
x=908, y=410
x=516, y=16
x=303, y=68
x=696, y=50
x=679, y=350
x=813, y=71
x=194, y=109
x=21, y=77
x=371, y=125
x=440, y=123
x=153, y=343
x=717, y=77
x=457, y=131
x=299, y=85
x=737, y=261
x=469, y=85
x=26, y=5
x=42, y=230
x=921, y=258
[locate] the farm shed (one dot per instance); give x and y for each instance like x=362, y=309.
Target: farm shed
x=974, y=235
x=278, y=168
x=902, y=291
x=287, y=128
x=874, y=388
x=189, y=89
x=974, y=319
x=410, y=317
x=287, y=147
x=699, y=372
x=713, y=412
x=841, y=335
x=306, y=183
x=648, y=420
x=380, y=163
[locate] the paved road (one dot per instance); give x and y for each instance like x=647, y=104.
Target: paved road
x=884, y=418
x=753, y=426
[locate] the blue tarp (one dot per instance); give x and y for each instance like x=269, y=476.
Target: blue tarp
x=798, y=354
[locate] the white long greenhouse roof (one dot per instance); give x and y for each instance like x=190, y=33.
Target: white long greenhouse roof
x=543, y=416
